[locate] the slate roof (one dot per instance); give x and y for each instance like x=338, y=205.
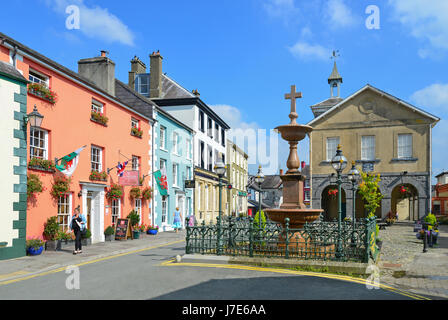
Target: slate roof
x=10, y=71
x=325, y=105
x=172, y=90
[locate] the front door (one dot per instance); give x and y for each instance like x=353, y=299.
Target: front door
x=180, y=204
x=93, y=215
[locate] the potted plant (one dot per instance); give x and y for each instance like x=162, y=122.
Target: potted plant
x=134, y=219
x=109, y=233
x=152, y=229
x=51, y=232
x=432, y=227
x=34, y=247
x=87, y=238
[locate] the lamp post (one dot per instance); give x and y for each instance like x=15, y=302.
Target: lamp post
x=339, y=162
x=220, y=169
x=353, y=176
x=259, y=179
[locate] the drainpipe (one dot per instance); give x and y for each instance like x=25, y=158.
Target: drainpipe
x=14, y=55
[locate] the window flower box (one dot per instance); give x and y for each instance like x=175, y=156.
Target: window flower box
x=41, y=91
x=136, y=132
x=99, y=118
x=98, y=176
x=41, y=165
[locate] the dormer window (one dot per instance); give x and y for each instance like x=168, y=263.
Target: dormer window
x=142, y=84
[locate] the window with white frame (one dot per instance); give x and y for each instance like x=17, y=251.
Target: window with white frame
x=164, y=208
x=188, y=173
x=188, y=148
x=64, y=211
x=116, y=208
x=138, y=208
x=162, y=137
x=332, y=146
x=96, y=158
x=404, y=146
x=175, y=174
x=175, y=143
x=368, y=148
x=142, y=84
x=135, y=163
x=97, y=106
x=216, y=132
x=38, y=143
x=39, y=78
x=162, y=164
x=135, y=123
x=307, y=195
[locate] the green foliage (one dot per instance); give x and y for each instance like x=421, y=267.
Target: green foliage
x=109, y=231
x=135, y=193
x=257, y=223
x=61, y=186
x=134, y=218
x=115, y=192
x=41, y=163
x=431, y=219
x=51, y=228
x=369, y=191
x=147, y=193
x=87, y=235
x=34, y=243
x=33, y=185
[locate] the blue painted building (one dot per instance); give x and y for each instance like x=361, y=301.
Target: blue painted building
x=173, y=148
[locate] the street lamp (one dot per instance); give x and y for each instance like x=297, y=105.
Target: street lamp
x=259, y=179
x=34, y=118
x=339, y=162
x=353, y=176
x=220, y=170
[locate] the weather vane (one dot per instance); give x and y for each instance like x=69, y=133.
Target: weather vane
x=335, y=54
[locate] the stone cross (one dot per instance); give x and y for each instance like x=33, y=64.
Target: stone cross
x=293, y=95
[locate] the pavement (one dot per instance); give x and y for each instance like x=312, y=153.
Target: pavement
x=404, y=265
x=51, y=260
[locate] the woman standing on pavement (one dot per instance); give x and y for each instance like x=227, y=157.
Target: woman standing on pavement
x=77, y=226
x=177, y=220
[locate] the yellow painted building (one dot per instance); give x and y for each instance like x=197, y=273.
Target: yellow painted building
x=382, y=134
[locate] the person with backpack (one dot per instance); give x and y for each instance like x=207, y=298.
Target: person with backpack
x=78, y=225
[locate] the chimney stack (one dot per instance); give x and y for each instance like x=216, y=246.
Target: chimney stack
x=99, y=70
x=155, y=78
x=137, y=67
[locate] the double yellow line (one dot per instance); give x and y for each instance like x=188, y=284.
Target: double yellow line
x=294, y=272
x=40, y=274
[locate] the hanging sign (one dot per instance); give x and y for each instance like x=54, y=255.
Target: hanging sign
x=129, y=178
x=189, y=184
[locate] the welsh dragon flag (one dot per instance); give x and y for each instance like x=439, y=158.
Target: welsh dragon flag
x=69, y=162
x=162, y=182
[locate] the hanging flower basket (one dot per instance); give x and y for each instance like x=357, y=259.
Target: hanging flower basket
x=33, y=185
x=135, y=193
x=405, y=192
x=115, y=192
x=61, y=186
x=147, y=193
x=42, y=92
x=333, y=193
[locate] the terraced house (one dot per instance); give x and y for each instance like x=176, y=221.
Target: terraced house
x=80, y=110
x=209, y=132
x=237, y=171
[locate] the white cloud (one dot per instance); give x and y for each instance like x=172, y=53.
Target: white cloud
x=306, y=51
x=426, y=20
x=97, y=22
x=284, y=9
x=339, y=14
x=434, y=96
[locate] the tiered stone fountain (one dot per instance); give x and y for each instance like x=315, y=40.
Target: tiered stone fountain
x=293, y=206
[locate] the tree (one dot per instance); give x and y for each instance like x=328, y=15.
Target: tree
x=369, y=191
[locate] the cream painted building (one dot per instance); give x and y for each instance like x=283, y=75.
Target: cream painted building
x=382, y=134
x=237, y=172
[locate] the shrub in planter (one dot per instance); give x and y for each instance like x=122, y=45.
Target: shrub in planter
x=86, y=239
x=152, y=229
x=109, y=232
x=34, y=246
x=51, y=228
x=134, y=218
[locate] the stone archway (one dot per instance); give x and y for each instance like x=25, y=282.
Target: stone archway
x=329, y=203
x=405, y=202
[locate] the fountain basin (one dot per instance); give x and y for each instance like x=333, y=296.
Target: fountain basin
x=297, y=217
x=294, y=132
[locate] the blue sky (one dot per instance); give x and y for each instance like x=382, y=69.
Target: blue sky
x=243, y=55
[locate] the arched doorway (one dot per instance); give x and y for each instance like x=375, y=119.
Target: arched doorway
x=361, y=211
x=329, y=202
x=405, y=202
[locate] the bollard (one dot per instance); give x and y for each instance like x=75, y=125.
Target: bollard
x=424, y=239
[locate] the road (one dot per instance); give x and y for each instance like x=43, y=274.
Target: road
x=147, y=275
